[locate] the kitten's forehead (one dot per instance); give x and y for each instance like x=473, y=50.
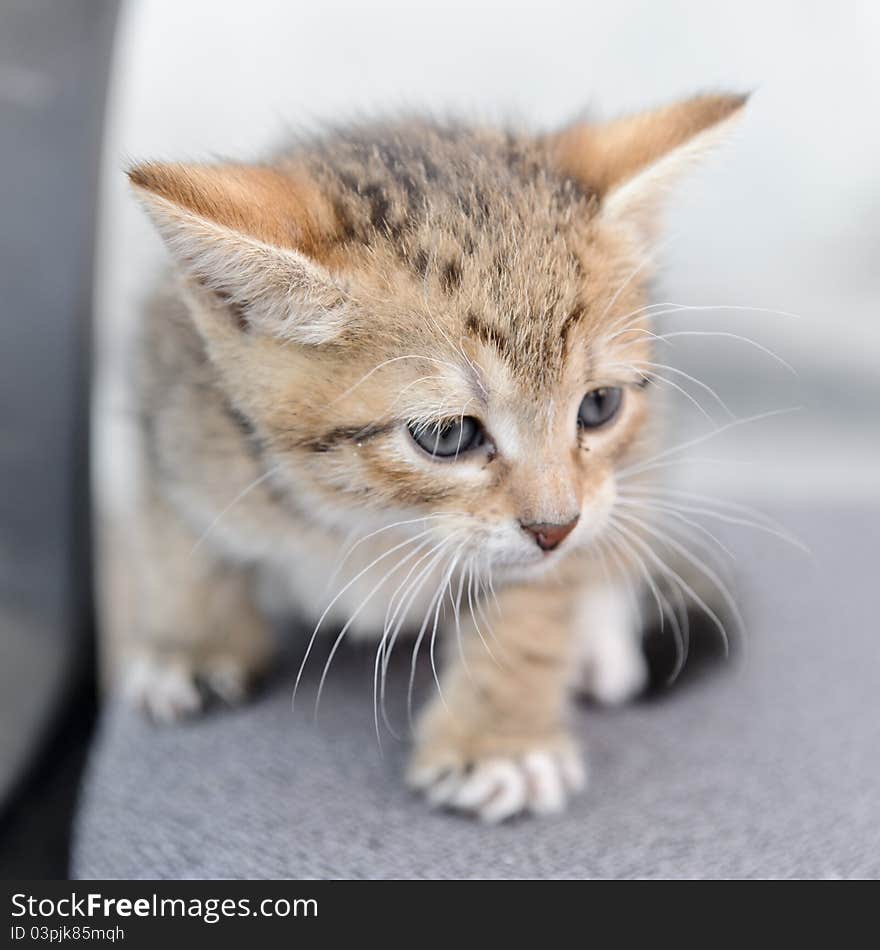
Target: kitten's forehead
x=493, y=239
x=536, y=321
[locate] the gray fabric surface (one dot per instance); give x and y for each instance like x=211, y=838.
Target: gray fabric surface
x=770, y=767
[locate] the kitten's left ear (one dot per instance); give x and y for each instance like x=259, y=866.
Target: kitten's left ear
x=251, y=239
x=632, y=162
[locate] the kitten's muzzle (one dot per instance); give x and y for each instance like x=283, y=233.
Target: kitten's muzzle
x=549, y=536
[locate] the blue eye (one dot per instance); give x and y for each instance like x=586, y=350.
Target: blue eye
x=599, y=406
x=448, y=438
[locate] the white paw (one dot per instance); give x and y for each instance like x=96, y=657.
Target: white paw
x=612, y=668
x=614, y=671
x=540, y=781
x=168, y=690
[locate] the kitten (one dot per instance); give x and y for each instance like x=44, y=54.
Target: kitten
x=417, y=347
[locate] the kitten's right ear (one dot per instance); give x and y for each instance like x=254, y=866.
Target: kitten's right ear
x=250, y=237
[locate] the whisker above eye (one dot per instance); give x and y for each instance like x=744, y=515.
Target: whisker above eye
x=658, y=377
x=390, y=360
x=642, y=466
x=655, y=310
x=409, y=385
x=731, y=336
x=643, y=263
x=693, y=379
x=686, y=460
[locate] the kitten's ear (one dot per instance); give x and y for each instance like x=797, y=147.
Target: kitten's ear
x=632, y=162
x=249, y=237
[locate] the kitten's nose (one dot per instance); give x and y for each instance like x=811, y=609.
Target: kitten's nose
x=549, y=536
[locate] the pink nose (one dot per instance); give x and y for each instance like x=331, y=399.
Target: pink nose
x=550, y=536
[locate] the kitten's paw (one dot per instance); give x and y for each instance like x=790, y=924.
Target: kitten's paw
x=166, y=691
x=539, y=780
x=172, y=689
x=614, y=670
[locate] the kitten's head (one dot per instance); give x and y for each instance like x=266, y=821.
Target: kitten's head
x=436, y=321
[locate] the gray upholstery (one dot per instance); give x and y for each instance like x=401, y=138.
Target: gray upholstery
x=54, y=60
x=770, y=767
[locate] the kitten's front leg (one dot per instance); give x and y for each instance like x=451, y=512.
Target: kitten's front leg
x=495, y=742
x=197, y=629
x=611, y=665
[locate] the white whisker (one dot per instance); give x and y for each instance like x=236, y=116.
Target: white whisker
x=393, y=359
x=768, y=528
x=456, y=609
x=694, y=562
x=434, y=606
x=329, y=606
x=690, y=443
x=674, y=577
x=664, y=608
x=396, y=625
x=239, y=497
x=643, y=263
x=672, y=512
x=454, y=563
x=646, y=574
x=721, y=506
x=654, y=311
x=689, y=396
x=684, y=632
x=347, y=626
x=389, y=621
x=625, y=575
x=475, y=581
x=733, y=336
x=693, y=379
x=397, y=524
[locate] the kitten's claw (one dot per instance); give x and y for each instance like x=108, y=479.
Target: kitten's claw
x=540, y=781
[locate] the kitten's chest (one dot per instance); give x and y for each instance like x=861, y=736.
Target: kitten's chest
x=371, y=587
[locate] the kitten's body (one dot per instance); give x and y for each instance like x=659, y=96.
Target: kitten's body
x=354, y=291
